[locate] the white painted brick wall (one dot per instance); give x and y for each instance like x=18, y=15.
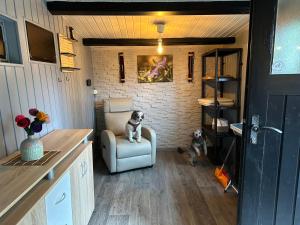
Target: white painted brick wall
x=171, y=108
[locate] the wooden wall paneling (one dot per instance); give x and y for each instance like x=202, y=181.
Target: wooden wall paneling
x=21, y=84
x=45, y=94
x=6, y=114
x=29, y=86
x=56, y=24
x=3, y=7
x=51, y=22
x=87, y=92
x=10, y=7
x=57, y=99
x=52, y=102
x=61, y=26
x=40, y=13
x=65, y=94
x=45, y=14
x=27, y=9
x=14, y=101
x=35, y=84
x=20, y=9
x=72, y=96
x=80, y=85
x=38, y=91
x=78, y=103
x=62, y=98
x=68, y=86
x=34, y=11
x=2, y=140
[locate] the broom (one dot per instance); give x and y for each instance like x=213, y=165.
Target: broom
x=221, y=174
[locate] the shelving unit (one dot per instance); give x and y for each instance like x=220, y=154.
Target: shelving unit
x=219, y=80
x=67, y=54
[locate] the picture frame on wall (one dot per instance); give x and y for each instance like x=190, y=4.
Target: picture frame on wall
x=3, y=44
x=155, y=68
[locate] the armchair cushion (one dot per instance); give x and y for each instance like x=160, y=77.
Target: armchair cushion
x=116, y=122
x=113, y=105
x=125, y=149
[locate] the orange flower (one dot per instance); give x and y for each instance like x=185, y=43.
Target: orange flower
x=43, y=117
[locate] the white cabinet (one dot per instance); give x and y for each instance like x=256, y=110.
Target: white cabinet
x=59, y=203
x=82, y=181
x=36, y=216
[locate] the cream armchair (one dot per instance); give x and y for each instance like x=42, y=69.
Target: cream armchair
x=118, y=153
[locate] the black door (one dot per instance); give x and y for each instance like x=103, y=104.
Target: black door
x=270, y=190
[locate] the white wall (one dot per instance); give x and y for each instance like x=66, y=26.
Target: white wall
x=170, y=108
x=35, y=84
x=242, y=42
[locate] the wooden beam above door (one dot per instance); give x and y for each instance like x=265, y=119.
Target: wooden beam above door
x=148, y=8
x=153, y=42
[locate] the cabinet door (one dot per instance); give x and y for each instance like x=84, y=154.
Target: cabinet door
x=82, y=181
x=36, y=216
x=59, y=204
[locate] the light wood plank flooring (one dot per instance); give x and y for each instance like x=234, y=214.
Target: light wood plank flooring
x=171, y=193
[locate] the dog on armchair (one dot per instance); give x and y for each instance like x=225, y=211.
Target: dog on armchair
x=134, y=127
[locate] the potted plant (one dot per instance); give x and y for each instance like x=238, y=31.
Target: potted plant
x=32, y=147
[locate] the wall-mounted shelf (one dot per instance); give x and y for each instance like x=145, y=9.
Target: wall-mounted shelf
x=69, y=69
x=67, y=55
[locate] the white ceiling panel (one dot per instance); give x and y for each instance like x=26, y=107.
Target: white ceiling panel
x=143, y=26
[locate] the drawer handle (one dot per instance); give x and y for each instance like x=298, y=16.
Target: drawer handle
x=62, y=198
x=85, y=168
x=82, y=169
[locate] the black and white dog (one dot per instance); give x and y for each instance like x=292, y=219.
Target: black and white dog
x=198, y=144
x=134, y=127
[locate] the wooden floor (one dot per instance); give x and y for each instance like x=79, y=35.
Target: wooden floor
x=170, y=193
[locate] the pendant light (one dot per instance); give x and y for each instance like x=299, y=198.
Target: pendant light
x=160, y=29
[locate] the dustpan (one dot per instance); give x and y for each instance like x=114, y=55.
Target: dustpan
x=222, y=176
x=220, y=173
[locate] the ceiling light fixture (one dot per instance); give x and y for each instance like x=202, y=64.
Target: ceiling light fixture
x=160, y=29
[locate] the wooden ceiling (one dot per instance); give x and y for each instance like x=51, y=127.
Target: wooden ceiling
x=177, y=26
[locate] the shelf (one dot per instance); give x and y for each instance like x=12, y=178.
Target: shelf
x=207, y=129
x=212, y=107
x=69, y=54
x=69, y=39
x=222, y=52
x=220, y=79
x=69, y=69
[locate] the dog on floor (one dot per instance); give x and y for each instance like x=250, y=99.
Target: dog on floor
x=134, y=127
x=198, y=146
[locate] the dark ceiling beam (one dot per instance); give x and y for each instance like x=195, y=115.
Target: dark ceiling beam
x=153, y=42
x=148, y=8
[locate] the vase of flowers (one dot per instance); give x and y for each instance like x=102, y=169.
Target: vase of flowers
x=32, y=147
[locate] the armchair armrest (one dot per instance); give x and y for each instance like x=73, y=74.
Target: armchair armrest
x=150, y=135
x=109, y=150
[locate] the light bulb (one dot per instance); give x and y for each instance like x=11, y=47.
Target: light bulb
x=160, y=46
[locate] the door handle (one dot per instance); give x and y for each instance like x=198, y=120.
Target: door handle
x=255, y=129
x=63, y=196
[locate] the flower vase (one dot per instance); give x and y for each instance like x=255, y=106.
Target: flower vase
x=31, y=148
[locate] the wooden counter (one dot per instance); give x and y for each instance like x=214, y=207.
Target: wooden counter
x=17, y=181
